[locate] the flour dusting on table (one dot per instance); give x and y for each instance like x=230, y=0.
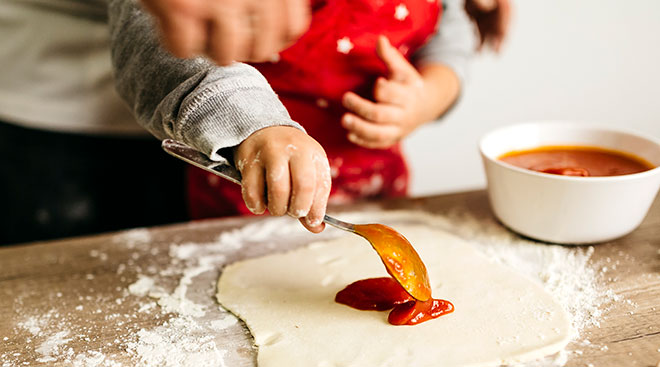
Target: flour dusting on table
x=192, y=330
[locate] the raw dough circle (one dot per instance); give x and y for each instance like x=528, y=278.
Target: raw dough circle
x=287, y=302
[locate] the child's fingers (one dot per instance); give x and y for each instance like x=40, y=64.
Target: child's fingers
x=314, y=229
x=314, y=220
x=253, y=187
x=391, y=92
x=370, y=144
x=303, y=184
x=368, y=110
x=368, y=134
x=400, y=69
x=278, y=185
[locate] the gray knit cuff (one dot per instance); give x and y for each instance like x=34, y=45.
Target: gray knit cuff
x=227, y=111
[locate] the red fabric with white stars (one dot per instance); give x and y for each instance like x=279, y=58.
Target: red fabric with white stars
x=337, y=54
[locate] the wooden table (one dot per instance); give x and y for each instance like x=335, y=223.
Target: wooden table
x=79, y=286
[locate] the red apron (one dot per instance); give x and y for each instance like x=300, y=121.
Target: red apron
x=337, y=54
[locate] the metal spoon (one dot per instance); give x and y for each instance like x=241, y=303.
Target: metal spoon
x=399, y=257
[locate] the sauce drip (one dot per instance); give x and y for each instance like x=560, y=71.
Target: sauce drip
x=577, y=161
x=399, y=257
x=382, y=294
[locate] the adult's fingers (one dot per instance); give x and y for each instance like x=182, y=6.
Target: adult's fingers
x=299, y=16
x=183, y=35
x=278, y=185
x=400, y=69
x=164, y=8
x=368, y=110
x=253, y=187
x=303, y=184
x=267, y=20
x=182, y=25
x=229, y=35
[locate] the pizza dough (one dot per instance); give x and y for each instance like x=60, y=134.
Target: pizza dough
x=287, y=302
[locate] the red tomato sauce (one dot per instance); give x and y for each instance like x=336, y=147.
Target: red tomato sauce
x=380, y=294
x=577, y=161
x=401, y=260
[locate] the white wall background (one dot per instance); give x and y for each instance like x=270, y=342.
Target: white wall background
x=588, y=60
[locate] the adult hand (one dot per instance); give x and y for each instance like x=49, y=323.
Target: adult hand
x=492, y=18
x=286, y=171
x=229, y=30
x=402, y=102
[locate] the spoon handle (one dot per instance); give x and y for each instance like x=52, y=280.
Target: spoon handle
x=227, y=171
x=197, y=159
x=349, y=227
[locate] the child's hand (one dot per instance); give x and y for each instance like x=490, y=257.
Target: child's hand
x=403, y=101
x=287, y=171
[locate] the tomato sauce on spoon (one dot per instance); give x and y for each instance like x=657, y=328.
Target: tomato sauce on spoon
x=407, y=292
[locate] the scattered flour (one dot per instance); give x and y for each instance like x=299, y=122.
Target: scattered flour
x=191, y=330
x=93, y=358
x=50, y=348
x=133, y=237
x=176, y=302
x=142, y=286
x=33, y=324
x=180, y=342
x=224, y=323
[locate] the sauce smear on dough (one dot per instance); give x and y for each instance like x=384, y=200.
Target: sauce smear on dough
x=385, y=293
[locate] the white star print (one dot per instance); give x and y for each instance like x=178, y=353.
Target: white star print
x=401, y=12
x=344, y=45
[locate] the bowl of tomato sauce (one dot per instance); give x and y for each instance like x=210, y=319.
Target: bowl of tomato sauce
x=570, y=182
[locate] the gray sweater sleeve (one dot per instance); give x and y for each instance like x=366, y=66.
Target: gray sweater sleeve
x=454, y=42
x=193, y=101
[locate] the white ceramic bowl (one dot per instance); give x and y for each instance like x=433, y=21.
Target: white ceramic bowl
x=563, y=209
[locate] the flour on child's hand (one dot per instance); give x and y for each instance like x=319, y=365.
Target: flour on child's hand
x=325, y=172
x=300, y=213
x=240, y=164
x=277, y=173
